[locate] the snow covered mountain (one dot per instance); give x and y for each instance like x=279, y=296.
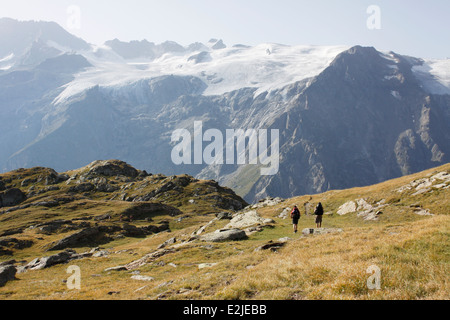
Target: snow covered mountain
x=347, y=116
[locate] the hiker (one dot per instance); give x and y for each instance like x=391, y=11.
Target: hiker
x=319, y=214
x=295, y=215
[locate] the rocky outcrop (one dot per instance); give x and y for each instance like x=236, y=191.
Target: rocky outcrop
x=111, y=168
x=364, y=209
x=84, y=236
x=11, y=197
x=9, y=244
x=59, y=258
x=439, y=180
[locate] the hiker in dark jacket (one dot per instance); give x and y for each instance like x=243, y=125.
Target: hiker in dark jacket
x=295, y=215
x=319, y=214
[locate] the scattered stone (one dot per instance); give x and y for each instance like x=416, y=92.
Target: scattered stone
x=423, y=212
x=206, y=265
x=148, y=258
x=320, y=231
x=142, y=278
x=97, y=253
x=167, y=243
x=118, y=268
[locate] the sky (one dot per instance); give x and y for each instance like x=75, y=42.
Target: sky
x=411, y=27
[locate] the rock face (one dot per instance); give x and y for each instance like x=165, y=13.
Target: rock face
x=224, y=235
x=366, y=118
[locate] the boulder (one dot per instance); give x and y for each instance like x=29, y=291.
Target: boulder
x=11, y=197
x=224, y=235
x=7, y=273
x=347, y=207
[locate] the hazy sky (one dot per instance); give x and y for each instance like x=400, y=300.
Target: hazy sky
x=413, y=27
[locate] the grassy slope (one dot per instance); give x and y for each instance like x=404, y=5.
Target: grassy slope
x=411, y=251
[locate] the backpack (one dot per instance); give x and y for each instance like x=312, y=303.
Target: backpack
x=296, y=214
x=319, y=210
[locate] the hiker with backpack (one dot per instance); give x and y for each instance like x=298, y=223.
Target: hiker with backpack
x=319, y=214
x=295, y=215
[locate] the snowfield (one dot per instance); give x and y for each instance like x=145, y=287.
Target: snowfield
x=434, y=75
x=266, y=67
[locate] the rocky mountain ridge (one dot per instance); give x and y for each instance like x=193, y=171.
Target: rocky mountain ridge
x=346, y=117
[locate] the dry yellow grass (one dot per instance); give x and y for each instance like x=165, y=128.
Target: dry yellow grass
x=413, y=259
x=412, y=253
